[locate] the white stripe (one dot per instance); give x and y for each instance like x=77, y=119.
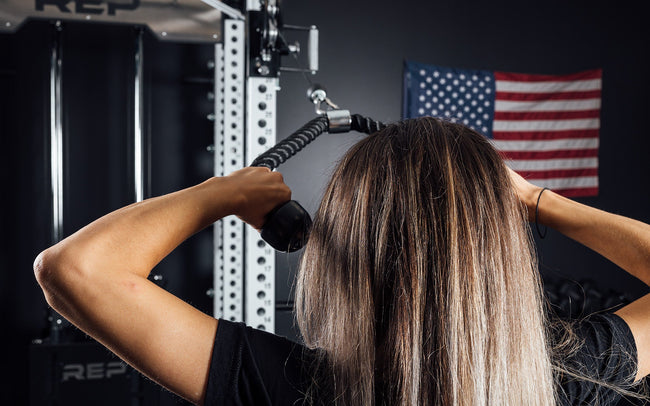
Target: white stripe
x=566, y=183
x=552, y=164
x=546, y=145
x=548, y=87
x=546, y=125
x=547, y=105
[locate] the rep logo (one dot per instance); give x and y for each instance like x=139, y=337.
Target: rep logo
x=88, y=6
x=95, y=370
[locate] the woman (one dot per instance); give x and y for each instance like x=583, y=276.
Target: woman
x=418, y=286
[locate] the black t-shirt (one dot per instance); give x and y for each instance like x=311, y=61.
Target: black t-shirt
x=252, y=367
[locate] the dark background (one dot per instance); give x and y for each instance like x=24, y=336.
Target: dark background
x=362, y=49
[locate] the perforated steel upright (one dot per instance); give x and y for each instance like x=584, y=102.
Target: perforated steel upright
x=260, y=257
x=229, y=260
x=244, y=265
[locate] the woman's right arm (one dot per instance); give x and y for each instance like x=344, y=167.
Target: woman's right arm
x=624, y=241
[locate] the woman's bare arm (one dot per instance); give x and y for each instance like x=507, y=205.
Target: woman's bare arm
x=97, y=277
x=623, y=241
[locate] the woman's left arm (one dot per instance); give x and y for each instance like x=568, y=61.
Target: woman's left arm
x=97, y=277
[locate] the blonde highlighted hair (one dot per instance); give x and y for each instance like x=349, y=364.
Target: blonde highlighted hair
x=418, y=283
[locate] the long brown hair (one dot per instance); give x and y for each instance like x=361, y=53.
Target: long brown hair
x=418, y=283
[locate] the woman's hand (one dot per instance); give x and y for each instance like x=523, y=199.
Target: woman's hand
x=526, y=191
x=258, y=192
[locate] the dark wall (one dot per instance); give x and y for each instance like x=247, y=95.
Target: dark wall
x=363, y=45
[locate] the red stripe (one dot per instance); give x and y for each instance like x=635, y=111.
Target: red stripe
x=558, y=154
x=524, y=77
x=545, y=115
x=590, y=94
x=544, y=135
x=558, y=173
x=577, y=192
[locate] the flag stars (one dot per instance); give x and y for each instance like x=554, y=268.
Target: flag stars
x=463, y=97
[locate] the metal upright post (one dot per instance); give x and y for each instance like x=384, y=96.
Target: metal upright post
x=56, y=135
x=138, y=133
x=56, y=160
x=234, y=63
x=260, y=257
x=219, y=155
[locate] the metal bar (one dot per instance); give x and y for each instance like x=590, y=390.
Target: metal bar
x=233, y=148
x=226, y=9
x=56, y=135
x=260, y=257
x=138, y=133
x=218, y=269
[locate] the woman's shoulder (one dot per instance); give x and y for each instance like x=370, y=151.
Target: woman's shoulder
x=257, y=367
x=596, y=357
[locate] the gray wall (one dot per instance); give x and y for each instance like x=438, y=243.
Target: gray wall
x=363, y=46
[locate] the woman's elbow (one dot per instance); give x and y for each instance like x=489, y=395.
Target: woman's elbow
x=44, y=266
x=54, y=272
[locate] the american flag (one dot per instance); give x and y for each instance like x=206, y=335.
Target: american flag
x=545, y=126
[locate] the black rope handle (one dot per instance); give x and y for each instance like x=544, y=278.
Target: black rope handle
x=365, y=125
x=290, y=146
x=287, y=227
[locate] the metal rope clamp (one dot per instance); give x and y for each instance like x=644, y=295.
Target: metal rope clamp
x=340, y=120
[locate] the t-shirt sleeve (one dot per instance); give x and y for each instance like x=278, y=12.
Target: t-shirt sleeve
x=608, y=355
x=253, y=367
